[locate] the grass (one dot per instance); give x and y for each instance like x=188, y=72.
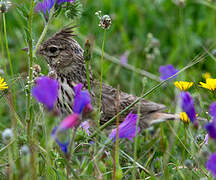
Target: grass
x=185, y=37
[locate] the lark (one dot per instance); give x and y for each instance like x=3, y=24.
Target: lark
x=64, y=56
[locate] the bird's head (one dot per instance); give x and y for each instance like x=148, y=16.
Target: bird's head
x=61, y=51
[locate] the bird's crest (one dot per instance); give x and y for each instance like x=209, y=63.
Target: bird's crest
x=65, y=33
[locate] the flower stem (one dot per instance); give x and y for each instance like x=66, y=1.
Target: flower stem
x=87, y=75
x=2, y=49
x=10, y=159
x=102, y=69
x=9, y=59
x=117, y=172
x=30, y=73
x=135, y=144
x=41, y=38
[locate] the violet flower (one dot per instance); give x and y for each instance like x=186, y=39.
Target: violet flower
x=124, y=58
x=127, y=129
x=46, y=5
x=46, y=91
x=167, y=71
x=212, y=110
x=82, y=104
x=85, y=126
x=62, y=145
x=210, y=164
x=206, y=139
x=69, y=122
x=211, y=127
x=82, y=100
x=187, y=105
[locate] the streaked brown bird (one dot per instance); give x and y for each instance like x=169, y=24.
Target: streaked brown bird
x=65, y=58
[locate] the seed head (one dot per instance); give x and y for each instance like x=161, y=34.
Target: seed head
x=105, y=20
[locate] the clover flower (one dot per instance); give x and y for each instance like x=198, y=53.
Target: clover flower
x=184, y=117
x=167, y=71
x=183, y=85
x=210, y=164
x=127, y=129
x=210, y=84
x=3, y=85
x=46, y=5
x=46, y=91
x=187, y=105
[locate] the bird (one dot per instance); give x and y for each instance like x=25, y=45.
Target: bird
x=64, y=56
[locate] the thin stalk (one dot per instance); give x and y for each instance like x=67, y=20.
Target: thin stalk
x=2, y=49
x=9, y=59
x=30, y=73
x=71, y=144
x=135, y=144
x=102, y=69
x=42, y=36
x=185, y=141
x=199, y=59
x=117, y=173
x=10, y=159
x=87, y=75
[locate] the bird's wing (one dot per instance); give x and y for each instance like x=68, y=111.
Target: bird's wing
x=109, y=105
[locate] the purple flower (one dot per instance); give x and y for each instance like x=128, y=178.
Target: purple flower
x=124, y=58
x=187, y=105
x=211, y=128
x=62, y=145
x=69, y=122
x=46, y=5
x=82, y=100
x=211, y=164
x=46, y=91
x=167, y=71
x=127, y=129
x=212, y=110
x=206, y=139
x=62, y=1
x=85, y=126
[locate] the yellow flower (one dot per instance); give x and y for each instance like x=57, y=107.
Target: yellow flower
x=206, y=75
x=183, y=85
x=184, y=117
x=3, y=85
x=210, y=84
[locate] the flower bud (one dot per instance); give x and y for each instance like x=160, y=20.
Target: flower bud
x=7, y=135
x=24, y=150
x=4, y=6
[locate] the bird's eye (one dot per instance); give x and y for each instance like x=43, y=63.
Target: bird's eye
x=53, y=49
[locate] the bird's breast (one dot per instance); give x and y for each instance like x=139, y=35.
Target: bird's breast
x=65, y=96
